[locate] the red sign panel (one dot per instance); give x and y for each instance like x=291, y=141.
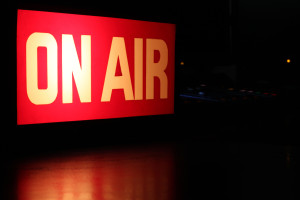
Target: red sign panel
x=77, y=67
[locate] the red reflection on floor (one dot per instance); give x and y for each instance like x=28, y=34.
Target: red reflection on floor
x=134, y=175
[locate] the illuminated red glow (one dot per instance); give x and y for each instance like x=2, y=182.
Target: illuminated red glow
x=42, y=69
x=147, y=175
x=90, y=45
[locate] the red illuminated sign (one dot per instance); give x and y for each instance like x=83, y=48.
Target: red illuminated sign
x=77, y=67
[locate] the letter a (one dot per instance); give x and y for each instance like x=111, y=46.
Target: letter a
x=117, y=51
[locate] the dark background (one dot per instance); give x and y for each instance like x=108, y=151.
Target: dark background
x=229, y=149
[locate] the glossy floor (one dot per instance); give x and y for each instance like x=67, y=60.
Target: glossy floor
x=126, y=175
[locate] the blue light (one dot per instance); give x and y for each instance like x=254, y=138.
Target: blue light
x=198, y=97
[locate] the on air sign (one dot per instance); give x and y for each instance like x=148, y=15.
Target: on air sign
x=77, y=67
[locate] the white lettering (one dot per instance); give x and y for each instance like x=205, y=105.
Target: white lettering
x=71, y=66
x=36, y=95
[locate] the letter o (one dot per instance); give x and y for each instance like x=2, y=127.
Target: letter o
x=36, y=95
